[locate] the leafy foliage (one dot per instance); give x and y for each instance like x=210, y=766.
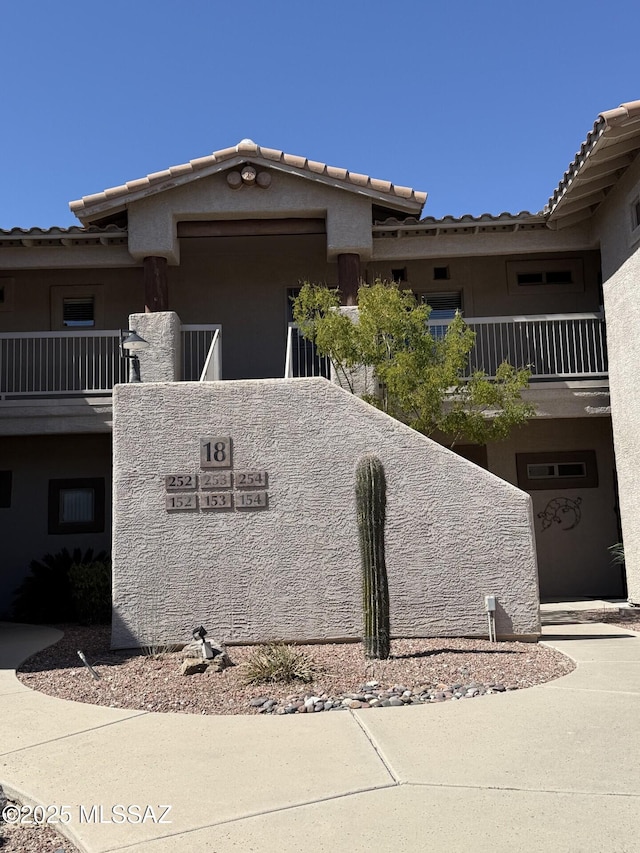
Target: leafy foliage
x=49, y=594
x=423, y=377
x=91, y=592
x=617, y=554
x=278, y=662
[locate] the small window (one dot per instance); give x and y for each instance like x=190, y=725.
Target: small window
x=443, y=305
x=76, y=506
x=550, y=277
x=5, y=489
x=6, y=294
x=440, y=273
x=556, y=469
x=563, y=275
x=78, y=311
x=399, y=275
x=561, y=470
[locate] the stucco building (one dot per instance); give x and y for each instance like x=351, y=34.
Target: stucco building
x=224, y=242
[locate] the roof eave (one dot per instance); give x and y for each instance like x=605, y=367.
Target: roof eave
x=608, y=151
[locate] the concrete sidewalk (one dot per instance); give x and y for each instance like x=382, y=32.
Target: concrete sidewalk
x=552, y=768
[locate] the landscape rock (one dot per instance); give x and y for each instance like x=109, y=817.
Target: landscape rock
x=191, y=666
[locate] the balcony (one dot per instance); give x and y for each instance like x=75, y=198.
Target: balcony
x=88, y=363
x=554, y=347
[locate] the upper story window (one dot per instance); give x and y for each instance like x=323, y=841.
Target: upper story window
x=440, y=273
x=5, y=489
x=551, y=277
x=443, y=305
x=557, y=275
x=6, y=294
x=77, y=306
x=78, y=311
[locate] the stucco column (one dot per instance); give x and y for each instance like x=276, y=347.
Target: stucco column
x=349, y=277
x=156, y=284
x=160, y=362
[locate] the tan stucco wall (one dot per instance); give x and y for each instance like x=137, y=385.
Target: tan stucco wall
x=483, y=282
x=34, y=460
x=612, y=224
x=152, y=221
x=572, y=562
x=620, y=245
x=623, y=322
x=462, y=242
x=118, y=294
x=454, y=532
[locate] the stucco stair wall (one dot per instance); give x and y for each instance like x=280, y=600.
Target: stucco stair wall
x=454, y=532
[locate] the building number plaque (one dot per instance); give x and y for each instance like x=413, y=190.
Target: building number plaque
x=218, y=486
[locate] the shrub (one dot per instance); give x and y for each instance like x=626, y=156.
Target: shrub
x=278, y=662
x=91, y=591
x=46, y=594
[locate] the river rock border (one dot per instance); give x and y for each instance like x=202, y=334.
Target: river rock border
x=370, y=695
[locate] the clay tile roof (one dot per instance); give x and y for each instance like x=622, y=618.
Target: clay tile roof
x=611, y=145
x=99, y=203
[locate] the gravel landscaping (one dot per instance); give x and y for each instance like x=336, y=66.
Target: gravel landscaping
x=418, y=671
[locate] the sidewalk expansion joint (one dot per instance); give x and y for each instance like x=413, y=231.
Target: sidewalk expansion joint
x=139, y=845
x=520, y=790
x=73, y=734
x=376, y=748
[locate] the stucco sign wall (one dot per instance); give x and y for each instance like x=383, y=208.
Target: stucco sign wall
x=234, y=507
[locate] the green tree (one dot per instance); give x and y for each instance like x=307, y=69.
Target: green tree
x=422, y=378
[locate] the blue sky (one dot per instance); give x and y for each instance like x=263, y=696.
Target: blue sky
x=481, y=104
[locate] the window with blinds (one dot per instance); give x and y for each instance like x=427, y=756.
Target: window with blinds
x=443, y=305
x=78, y=311
x=77, y=505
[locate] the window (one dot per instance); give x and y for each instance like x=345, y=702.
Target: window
x=550, y=277
x=5, y=489
x=562, y=470
x=443, y=307
x=440, y=273
x=77, y=307
x=399, y=275
x=78, y=311
x=76, y=506
x=561, y=275
x=6, y=294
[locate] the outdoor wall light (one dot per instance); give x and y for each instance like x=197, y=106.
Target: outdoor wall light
x=130, y=345
x=199, y=633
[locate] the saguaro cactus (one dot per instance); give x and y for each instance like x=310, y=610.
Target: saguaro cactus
x=371, y=500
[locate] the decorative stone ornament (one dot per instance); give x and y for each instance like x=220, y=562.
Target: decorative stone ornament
x=248, y=177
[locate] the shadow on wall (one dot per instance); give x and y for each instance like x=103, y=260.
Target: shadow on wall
x=504, y=622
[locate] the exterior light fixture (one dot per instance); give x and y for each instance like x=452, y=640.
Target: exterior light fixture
x=130, y=345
